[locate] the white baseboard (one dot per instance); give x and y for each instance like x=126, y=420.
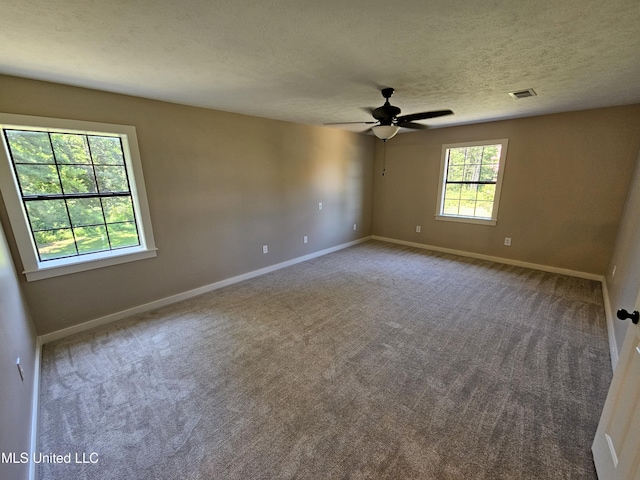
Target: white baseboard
x=35, y=408
x=507, y=261
x=50, y=337
x=613, y=346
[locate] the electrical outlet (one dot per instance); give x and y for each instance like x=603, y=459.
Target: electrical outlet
x=265, y=249
x=305, y=239
x=320, y=206
x=355, y=227
x=418, y=229
x=20, y=370
x=507, y=241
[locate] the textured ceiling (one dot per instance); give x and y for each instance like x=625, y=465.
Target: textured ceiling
x=320, y=62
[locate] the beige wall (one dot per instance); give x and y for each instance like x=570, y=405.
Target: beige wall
x=565, y=182
x=17, y=339
x=624, y=286
x=220, y=186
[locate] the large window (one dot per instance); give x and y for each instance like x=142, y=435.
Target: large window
x=471, y=176
x=75, y=194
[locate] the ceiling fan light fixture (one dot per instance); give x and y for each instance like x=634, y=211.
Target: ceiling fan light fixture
x=385, y=132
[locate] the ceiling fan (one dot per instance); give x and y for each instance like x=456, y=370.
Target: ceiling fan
x=388, y=121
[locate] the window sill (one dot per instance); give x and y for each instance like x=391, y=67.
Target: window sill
x=477, y=221
x=56, y=268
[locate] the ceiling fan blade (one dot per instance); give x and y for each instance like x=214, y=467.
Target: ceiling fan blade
x=423, y=116
x=413, y=125
x=348, y=123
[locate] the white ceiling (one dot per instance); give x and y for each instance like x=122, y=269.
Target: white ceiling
x=319, y=62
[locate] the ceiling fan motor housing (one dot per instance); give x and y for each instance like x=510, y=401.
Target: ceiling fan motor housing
x=387, y=113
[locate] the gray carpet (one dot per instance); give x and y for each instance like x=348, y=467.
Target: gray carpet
x=378, y=361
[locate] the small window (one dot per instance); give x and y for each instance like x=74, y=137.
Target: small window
x=471, y=176
x=74, y=193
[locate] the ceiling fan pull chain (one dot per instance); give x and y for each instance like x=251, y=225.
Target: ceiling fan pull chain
x=384, y=156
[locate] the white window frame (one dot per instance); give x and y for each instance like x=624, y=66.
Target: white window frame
x=34, y=269
x=443, y=172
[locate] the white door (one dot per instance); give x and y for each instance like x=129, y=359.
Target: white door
x=616, y=447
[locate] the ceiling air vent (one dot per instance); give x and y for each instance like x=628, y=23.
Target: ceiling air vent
x=523, y=93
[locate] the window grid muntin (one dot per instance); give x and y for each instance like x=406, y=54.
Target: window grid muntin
x=64, y=196
x=475, y=183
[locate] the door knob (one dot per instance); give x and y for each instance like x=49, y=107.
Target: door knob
x=623, y=315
